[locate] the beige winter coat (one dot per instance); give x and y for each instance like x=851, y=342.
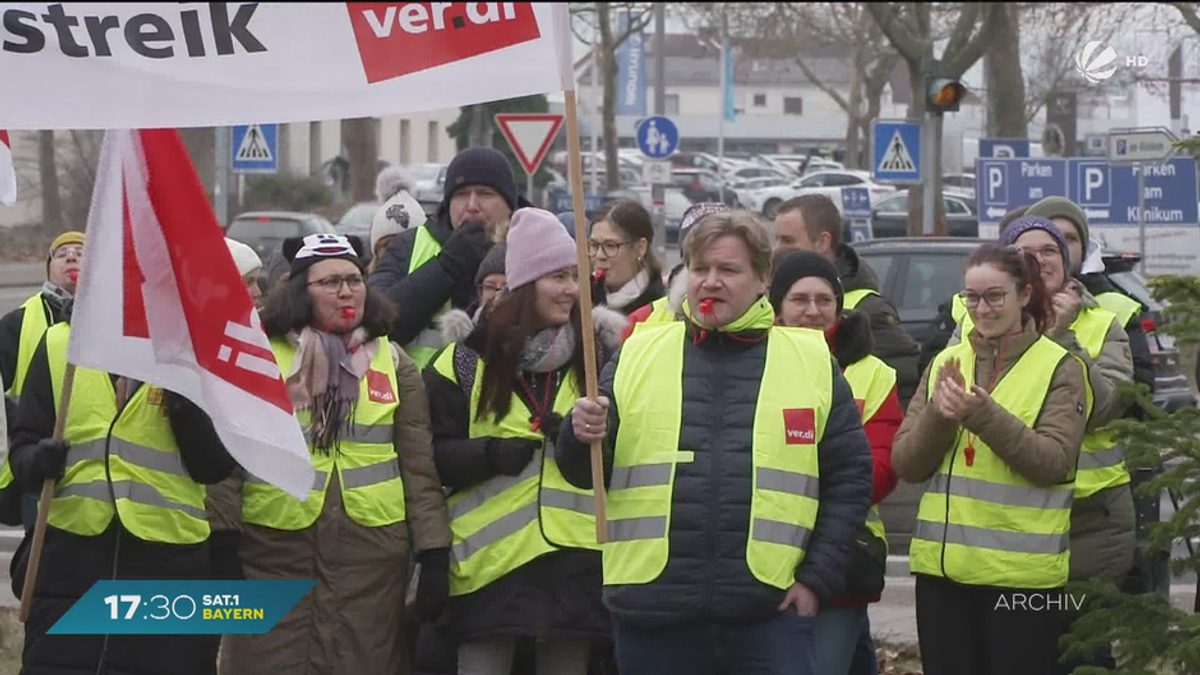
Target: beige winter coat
x=353, y=619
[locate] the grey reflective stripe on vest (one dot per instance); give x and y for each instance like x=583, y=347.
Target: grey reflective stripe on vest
x=494, y=531
x=1101, y=459
x=981, y=537
x=642, y=475
x=571, y=501
x=999, y=493
x=630, y=529
x=127, y=489
x=362, y=433
x=787, y=481
x=370, y=475
x=776, y=532
x=318, y=480
x=139, y=455
x=476, y=497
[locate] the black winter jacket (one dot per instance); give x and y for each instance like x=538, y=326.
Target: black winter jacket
x=71, y=564
x=419, y=296
x=10, y=345
x=706, y=578
x=892, y=343
x=556, y=596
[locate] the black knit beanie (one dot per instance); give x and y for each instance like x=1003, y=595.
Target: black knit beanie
x=796, y=266
x=481, y=166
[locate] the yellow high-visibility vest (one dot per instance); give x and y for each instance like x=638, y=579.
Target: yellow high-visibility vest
x=1120, y=304
x=982, y=523
x=789, y=423
x=127, y=456
x=871, y=381
x=1101, y=462
x=423, y=347
x=366, y=463
x=507, y=521
x=852, y=298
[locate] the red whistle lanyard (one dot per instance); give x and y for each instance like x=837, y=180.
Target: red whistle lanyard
x=969, y=452
x=538, y=411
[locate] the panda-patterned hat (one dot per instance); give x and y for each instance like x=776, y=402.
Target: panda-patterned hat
x=305, y=252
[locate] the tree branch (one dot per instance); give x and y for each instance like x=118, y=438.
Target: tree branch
x=887, y=18
x=954, y=65
x=964, y=27
x=643, y=20
x=1187, y=10
x=829, y=91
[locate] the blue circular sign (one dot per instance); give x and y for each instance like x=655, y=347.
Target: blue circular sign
x=657, y=137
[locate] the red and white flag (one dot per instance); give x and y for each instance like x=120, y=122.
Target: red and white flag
x=161, y=301
x=8, y=176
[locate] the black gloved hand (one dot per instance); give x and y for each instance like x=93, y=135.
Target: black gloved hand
x=465, y=250
x=433, y=588
x=225, y=560
x=46, y=460
x=509, y=456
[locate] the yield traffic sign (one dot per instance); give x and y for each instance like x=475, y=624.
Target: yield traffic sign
x=530, y=135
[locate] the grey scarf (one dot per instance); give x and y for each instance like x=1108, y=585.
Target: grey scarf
x=548, y=350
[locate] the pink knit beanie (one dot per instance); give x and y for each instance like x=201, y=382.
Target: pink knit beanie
x=538, y=244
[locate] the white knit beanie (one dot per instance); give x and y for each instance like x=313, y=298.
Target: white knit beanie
x=401, y=212
x=243, y=256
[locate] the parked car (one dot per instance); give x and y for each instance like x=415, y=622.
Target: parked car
x=829, y=183
x=889, y=219
x=700, y=185
x=429, y=182
x=750, y=172
x=264, y=231
x=959, y=183
x=917, y=274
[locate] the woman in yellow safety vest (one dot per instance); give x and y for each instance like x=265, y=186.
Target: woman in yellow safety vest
x=995, y=427
x=376, y=498
x=525, y=561
x=806, y=292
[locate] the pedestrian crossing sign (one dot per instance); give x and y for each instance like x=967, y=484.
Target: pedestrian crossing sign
x=255, y=148
x=897, y=152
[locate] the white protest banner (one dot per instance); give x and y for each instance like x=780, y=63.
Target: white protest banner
x=142, y=65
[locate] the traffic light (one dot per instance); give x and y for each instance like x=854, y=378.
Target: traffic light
x=944, y=95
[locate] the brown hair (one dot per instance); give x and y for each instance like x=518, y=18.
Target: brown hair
x=512, y=321
x=634, y=220
x=741, y=224
x=819, y=214
x=1025, y=270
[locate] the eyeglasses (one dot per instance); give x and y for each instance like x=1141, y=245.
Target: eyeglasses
x=822, y=302
x=993, y=297
x=610, y=248
x=1047, y=252
x=64, y=252
x=334, y=284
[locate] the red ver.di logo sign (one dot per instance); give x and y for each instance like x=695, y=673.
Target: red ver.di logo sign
x=398, y=38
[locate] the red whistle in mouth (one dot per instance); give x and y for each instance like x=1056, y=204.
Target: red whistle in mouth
x=598, y=276
x=74, y=274
x=348, y=313
x=706, y=305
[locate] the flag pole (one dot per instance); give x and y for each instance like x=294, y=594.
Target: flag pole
x=39, y=530
x=585, y=303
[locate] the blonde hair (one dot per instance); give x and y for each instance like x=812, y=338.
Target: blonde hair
x=741, y=224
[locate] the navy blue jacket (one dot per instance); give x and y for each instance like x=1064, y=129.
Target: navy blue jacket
x=706, y=578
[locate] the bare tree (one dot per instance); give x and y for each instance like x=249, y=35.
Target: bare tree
x=599, y=15
x=52, y=217
x=911, y=29
x=794, y=31
x=1053, y=30
x=1006, y=86
x=362, y=153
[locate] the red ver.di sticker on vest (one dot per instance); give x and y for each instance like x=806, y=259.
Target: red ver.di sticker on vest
x=800, y=426
x=379, y=387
